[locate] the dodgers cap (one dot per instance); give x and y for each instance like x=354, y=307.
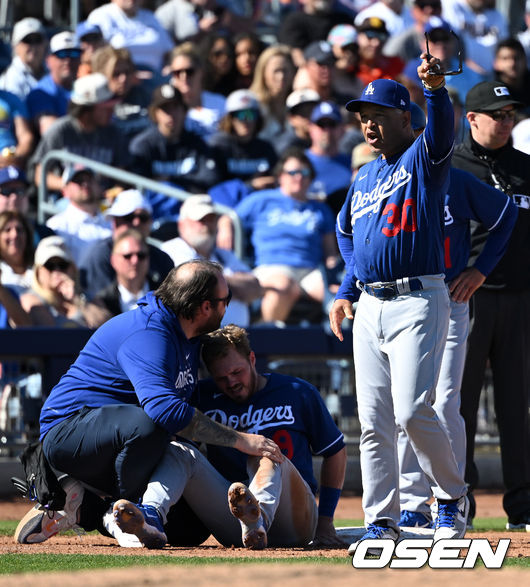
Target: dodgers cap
x=383, y=92
x=325, y=110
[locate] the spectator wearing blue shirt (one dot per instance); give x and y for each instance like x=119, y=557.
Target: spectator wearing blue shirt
x=16, y=136
x=49, y=99
x=291, y=236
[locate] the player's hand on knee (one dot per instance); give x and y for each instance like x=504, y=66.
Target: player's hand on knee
x=339, y=310
x=258, y=445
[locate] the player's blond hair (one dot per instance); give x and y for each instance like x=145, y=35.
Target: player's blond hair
x=217, y=344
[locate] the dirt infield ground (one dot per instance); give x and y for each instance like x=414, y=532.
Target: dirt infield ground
x=488, y=505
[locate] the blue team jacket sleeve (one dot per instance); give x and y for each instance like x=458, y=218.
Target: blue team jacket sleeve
x=148, y=359
x=347, y=290
x=498, y=214
x=439, y=132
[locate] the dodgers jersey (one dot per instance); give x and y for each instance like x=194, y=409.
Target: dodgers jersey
x=283, y=230
x=140, y=357
x=471, y=199
x=395, y=206
x=288, y=410
x=468, y=199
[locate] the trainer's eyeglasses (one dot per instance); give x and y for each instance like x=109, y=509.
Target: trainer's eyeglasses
x=501, y=115
x=225, y=300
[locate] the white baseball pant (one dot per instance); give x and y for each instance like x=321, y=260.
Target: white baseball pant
x=414, y=487
x=286, y=501
x=398, y=346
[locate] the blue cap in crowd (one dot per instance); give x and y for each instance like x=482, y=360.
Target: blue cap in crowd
x=436, y=23
x=85, y=28
x=383, y=92
x=11, y=173
x=327, y=110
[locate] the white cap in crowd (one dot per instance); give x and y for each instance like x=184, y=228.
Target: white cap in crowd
x=241, y=100
x=127, y=202
x=302, y=96
x=91, y=89
x=26, y=26
x=197, y=207
x=64, y=40
x=50, y=247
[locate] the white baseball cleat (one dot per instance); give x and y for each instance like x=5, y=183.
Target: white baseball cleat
x=39, y=523
x=451, y=521
x=245, y=507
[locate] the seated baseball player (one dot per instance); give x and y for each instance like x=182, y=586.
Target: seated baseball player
x=278, y=507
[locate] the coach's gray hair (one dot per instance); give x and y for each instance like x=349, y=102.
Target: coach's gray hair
x=188, y=285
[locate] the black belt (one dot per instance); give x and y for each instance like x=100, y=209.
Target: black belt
x=386, y=290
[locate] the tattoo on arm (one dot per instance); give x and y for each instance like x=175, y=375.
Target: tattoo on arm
x=203, y=429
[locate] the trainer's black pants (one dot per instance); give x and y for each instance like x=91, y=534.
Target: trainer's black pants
x=500, y=332
x=114, y=449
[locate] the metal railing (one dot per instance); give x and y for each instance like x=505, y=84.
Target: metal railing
x=47, y=208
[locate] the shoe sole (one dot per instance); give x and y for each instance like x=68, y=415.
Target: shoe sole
x=245, y=507
x=130, y=520
x=31, y=530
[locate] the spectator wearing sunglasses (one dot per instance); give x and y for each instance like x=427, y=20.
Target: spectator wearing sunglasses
x=14, y=196
x=130, y=209
x=205, y=108
x=332, y=175
x=48, y=100
x=372, y=35
x=130, y=261
x=81, y=223
x=291, y=235
x=56, y=298
x=247, y=157
x=29, y=42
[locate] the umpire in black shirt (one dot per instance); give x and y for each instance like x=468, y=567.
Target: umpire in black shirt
x=500, y=309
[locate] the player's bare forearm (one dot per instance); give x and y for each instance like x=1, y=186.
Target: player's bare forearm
x=339, y=310
x=203, y=429
x=466, y=284
x=334, y=469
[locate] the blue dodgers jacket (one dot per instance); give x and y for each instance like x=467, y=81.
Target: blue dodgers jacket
x=140, y=357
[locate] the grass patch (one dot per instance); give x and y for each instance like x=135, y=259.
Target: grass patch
x=38, y=563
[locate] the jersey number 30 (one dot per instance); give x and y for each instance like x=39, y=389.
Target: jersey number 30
x=400, y=217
